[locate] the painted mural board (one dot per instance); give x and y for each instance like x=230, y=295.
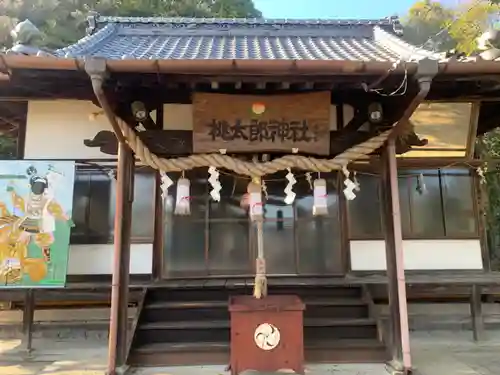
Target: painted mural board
x=36, y=199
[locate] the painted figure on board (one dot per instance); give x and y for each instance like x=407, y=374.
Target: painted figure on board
x=32, y=221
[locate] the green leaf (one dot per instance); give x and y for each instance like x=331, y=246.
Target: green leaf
x=63, y=21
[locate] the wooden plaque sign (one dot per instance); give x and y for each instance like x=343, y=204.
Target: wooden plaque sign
x=247, y=123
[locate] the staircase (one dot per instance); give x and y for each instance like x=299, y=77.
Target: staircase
x=192, y=326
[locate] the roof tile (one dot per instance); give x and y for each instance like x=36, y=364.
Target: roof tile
x=202, y=39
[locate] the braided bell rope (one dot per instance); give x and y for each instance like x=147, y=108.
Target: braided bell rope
x=248, y=168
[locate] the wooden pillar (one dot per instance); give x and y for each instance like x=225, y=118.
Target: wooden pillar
x=28, y=315
x=476, y=310
x=158, y=232
x=345, y=243
x=400, y=345
x=121, y=262
x=159, y=224
x=481, y=204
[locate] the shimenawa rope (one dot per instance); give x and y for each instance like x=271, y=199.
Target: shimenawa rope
x=247, y=168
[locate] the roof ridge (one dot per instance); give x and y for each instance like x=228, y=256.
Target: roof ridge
x=94, y=19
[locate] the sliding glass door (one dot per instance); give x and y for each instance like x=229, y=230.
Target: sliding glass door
x=218, y=238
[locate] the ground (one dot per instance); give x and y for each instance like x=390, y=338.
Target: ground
x=434, y=353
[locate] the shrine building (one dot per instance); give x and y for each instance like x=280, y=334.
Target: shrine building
x=327, y=161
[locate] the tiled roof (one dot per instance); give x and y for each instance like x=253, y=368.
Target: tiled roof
x=260, y=39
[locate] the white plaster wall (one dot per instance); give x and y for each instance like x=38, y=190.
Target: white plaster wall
x=365, y=256
x=98, y=259
x=56, y=130
x=419, y=255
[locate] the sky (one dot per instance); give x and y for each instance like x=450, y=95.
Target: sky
x=334, y=8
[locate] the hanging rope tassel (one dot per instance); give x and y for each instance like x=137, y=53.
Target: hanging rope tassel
x=256, y=211
x=260, y=286
x=320, y=205
x=182, y=204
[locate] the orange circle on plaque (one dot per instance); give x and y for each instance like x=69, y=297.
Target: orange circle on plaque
x=258, y=108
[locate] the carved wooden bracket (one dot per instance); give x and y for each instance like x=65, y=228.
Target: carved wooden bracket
x=105, y=140
x=160, y=142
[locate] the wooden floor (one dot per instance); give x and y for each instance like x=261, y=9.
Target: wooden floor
x=412, y=278
x=431, y=277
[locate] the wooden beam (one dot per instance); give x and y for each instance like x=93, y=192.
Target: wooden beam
x=46, y=84
x=28, y=316
x=345, y=243
x=480, y=194
x=135, y=323
x=158, y=238
x=399, y=343
x=117, y=351
x=159, y=230
x=126, y=236
x=476, y=311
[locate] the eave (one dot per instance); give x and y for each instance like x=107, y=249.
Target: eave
x=247, y=67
